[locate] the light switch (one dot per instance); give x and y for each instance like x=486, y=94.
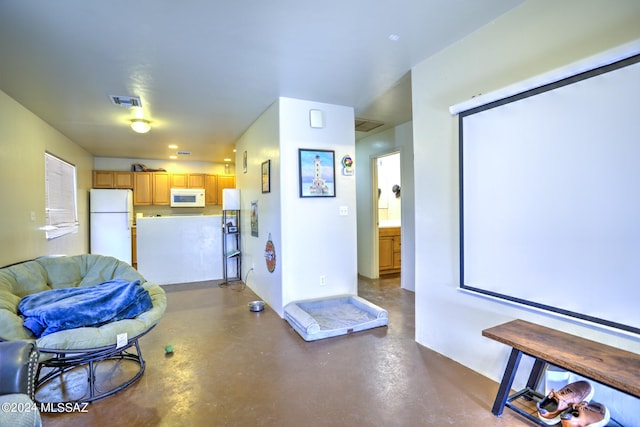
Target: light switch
x=344, y=210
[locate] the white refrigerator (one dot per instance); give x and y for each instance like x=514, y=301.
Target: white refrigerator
x=111, y=219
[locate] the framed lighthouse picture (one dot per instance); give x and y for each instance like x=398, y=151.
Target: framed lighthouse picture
x=317, y=173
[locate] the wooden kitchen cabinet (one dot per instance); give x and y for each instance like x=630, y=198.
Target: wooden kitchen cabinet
x=142, y=188
x=161, y=188
x=187, y=180
x=389, y=249
x=123, y=179
x=179, y=180
x=154, y=188
x=225, y=181
x=151, y=188
x=385, y=248
x=112, y=179
x=196, y=180
x=397, y=258
x=211, y=189
x=102, y=179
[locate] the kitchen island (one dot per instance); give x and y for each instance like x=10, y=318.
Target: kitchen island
x=180, y=249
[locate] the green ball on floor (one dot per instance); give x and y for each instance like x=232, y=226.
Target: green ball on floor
x=168, y=348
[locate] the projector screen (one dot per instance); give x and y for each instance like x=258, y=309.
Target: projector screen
x=550, y=197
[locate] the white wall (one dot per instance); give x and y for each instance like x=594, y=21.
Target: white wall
x=261, y=142
x=316, y=239
x=310, y=237
x=24, y=138
x=392, y=140
x=527, y=41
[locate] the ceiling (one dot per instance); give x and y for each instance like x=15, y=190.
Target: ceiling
x=205, y=69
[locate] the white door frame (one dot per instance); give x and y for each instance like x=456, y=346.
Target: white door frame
x=374, y=205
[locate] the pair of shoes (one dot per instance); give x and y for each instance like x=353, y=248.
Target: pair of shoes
x=586, y=414
x=555, y=404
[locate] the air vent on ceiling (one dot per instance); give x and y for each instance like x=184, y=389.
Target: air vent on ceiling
x=364, y=125
x=126, y=101
x=184, y=153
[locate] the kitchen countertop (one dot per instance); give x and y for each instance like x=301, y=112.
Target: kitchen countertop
x=389, y=223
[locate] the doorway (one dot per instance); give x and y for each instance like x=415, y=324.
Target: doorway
x=387, y=206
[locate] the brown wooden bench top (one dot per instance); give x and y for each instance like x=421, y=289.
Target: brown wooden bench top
x=605, y=364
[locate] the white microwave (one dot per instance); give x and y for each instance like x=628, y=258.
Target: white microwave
x=187, y=197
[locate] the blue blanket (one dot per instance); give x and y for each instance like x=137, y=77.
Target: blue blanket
x=51, y=311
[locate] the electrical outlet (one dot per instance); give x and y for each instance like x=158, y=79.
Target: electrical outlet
x=322, y=280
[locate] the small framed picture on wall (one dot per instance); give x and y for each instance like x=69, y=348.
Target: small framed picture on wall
x=266, y=176
x=244, y=161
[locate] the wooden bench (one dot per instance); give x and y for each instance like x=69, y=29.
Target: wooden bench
x=607, y=365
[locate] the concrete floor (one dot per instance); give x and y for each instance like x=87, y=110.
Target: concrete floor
x=233, y=367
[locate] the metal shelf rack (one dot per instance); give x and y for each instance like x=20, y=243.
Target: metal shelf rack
x=231, y=252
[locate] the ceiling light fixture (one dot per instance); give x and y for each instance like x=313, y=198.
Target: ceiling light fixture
x=140, y=125
x=173, y=146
